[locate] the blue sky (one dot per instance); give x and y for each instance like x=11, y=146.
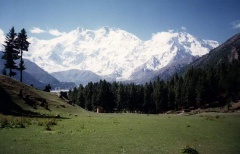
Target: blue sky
x=207, y=19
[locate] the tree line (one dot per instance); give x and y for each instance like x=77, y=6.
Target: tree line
x=198, y=88
x=14, y=46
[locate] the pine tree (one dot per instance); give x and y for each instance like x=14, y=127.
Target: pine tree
x=22, y=45
x=80, y=99
x=200, y=92
x=4, y=72
x=132, y=98
x=147, y=101
x=11, y=52
x=47, y=88
x=163, y=103
x=179, y=94
x=105, y=97
x=88, y=93
x=73, y=94
x=120, y=97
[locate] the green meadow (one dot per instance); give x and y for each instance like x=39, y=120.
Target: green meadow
x=122, y=133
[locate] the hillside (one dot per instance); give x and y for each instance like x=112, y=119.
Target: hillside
x=78, y=76
x=44, y=77
x=225, y=53
x=32, y=102
x=36, y=76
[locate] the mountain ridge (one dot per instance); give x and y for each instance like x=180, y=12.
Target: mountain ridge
x=78, y=76
x=228, y=51
x=114, y=54
x=36, y=76
x=224, y=53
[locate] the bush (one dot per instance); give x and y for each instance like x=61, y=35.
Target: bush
x=48, y=126
x=49, y=123
x=3, y=122
x=13, y=122
x=189, y=150
x=20, y=122
x=209, y=117
x=47, y=88
x=40, y=123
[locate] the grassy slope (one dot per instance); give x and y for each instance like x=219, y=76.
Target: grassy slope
x=11, y=103
x=130, y=133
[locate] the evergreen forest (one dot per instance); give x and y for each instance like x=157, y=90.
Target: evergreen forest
x=197, y=88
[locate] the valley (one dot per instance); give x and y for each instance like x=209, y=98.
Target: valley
x=66, y=128
x=119, y=76
x=172, y=94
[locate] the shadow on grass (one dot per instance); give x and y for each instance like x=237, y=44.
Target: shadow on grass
x=9, y=107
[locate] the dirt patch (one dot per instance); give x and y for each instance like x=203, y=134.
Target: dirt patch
x=236, y=106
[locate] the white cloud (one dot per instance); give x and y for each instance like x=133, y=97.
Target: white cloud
x=183, y=28
x=55, y=32
x=37, y=30
x=236, y=24
x=170, y=30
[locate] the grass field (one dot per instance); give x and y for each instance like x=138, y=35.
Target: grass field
x=125, y=133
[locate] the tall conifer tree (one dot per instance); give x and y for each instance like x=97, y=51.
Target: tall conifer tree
x=10, y=52
x=22, y=45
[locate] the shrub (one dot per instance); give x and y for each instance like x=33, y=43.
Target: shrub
x=209, y=117
x=83, y=126
x=48, y=126
x=53, y=121
x=49, y=123
x=20, y=122
x=40, y=123
x=47, y=88
x=13, y=122
x=189, y=150
x=3, y=122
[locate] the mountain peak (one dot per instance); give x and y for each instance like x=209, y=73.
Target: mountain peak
x=225, y=53
x=114, y=53
x=76, y=32
x=104, y=31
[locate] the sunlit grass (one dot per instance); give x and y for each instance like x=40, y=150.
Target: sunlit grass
x=126, y=133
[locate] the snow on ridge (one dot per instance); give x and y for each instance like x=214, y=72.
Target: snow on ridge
x=2, y=38
x=112, y=52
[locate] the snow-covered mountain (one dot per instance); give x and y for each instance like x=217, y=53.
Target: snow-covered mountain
x=115, y=54
x=2, y=39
